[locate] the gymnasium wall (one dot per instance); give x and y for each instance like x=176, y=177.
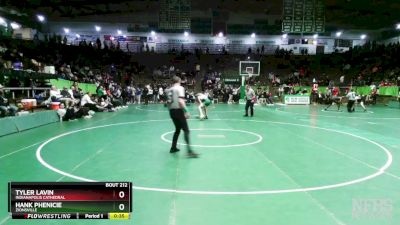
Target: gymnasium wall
x=365, y=90
x=391, y=91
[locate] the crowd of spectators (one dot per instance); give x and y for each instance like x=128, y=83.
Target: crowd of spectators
x=74, y=103
x=117, y=76
x=109, y=97
x=83, y=63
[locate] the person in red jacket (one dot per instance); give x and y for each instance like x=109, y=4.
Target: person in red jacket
x=334, y=98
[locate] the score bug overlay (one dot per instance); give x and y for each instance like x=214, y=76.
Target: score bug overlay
x=70, y=200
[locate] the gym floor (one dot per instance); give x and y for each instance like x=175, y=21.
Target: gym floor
x=287, y=165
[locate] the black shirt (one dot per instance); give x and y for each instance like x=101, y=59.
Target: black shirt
x=3, y=101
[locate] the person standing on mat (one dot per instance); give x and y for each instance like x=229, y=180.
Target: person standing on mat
x=203, y=101
x=250, y=100
x=178, y=113
x=351, y=100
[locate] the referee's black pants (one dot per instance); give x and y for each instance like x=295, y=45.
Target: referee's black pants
x=250, y=105
x=180, y=122
x=350, y=105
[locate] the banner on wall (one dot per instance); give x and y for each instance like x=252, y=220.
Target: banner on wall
x=126, y=38
x=297, y=99
x=88, y=38
x=231, y=80
x=284, y=41
x=177, y=41
x=322, y=42
x=265, y=42
x=235, y=42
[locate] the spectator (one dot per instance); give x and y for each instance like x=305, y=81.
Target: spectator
x=86, y=101
x=5, y=107
x=138, y=95
x=341, y=80
x=146, y=94
x=76, y=93
x=55, y=94
x=161, y=94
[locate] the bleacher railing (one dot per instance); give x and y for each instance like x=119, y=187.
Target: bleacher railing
x=30, y=91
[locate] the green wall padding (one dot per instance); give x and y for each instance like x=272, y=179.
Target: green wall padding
x=16, y=124
x=394, y=104
x=7, y=126
x=389, y=91
x=365, y=90
x=60, y=83
x=33, y=120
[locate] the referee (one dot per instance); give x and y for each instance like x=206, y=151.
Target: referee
x=351, y=100
x=179, y=114
x=250, y=99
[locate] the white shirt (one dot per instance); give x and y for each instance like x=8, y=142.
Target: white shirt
x=270, y=76
x=55, y=93
x=160, y=91
x=201, y=96
x=174, y=93
x=351, y=95
x=150, y=91
x=250, y=94
x=86, y=99
x=71, y=93
x=373, y=86
x=118, y=93
x=235, y=91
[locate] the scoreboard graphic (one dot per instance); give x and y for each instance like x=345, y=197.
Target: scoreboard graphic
x=70, y=200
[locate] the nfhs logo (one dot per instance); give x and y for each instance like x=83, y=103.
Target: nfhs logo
x=372, y=209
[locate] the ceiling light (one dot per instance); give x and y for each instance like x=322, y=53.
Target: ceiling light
x=41, y=18
x=15, y=25
x=3, y=22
